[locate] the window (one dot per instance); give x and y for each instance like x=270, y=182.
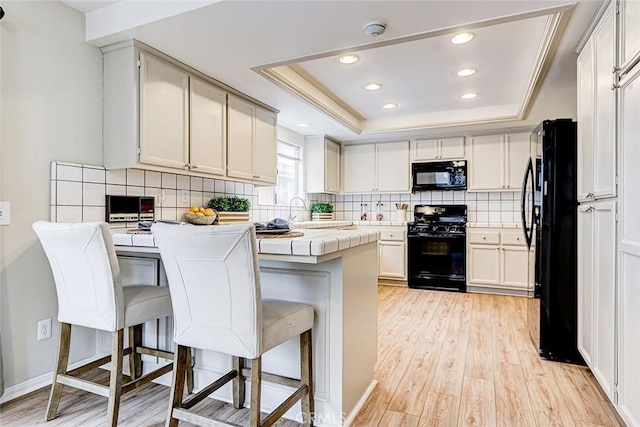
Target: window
x=289, y=181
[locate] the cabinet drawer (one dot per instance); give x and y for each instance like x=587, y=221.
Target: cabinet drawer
x=484, y=237
x=513, y=238
x=393, y=235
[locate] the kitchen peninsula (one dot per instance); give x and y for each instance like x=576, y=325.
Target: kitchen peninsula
x=333, y=270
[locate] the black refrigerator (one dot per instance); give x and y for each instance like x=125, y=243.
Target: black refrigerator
x=549, y=218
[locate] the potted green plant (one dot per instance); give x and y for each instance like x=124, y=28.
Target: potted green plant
x=322, y=211
x=231, y=208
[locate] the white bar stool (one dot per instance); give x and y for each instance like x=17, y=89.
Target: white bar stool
x=214, y=281
x=87, y=277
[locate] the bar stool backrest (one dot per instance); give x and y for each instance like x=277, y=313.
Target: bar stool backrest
x=86, y=273
x=215, y=286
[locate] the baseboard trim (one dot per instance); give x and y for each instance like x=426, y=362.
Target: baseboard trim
x=361, y=402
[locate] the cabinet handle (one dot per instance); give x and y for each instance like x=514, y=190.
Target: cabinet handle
x=614, y=87
x=590, y=195
x=615, y=69
x=484, y=238
x=590, y=209
x=187, y=165
x=256, y=177
x=517, y=238
x=194, y=167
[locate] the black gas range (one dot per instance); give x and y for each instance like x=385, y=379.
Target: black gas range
x=437, y=247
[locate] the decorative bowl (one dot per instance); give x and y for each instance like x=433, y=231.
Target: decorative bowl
x=200, y=220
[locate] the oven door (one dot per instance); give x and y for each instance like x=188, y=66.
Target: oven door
x=437, y=261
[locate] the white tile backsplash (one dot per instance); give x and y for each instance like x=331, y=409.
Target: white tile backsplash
x=196, y=184
x=69, y=193
x=183, y=182
x=93, y=175
x=135, y=177
x=169, y=180
x=117, y=176
x=152, y=179
x=93, y=213
x=69, y=214
x=93, y=194
x=69, y=173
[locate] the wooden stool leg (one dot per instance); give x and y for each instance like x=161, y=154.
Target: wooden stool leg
x=177, y=383
x=238, y=383
x=189, y=372
x=306, y=376
x=256, y=380
x=61, y=369
x=135, y=358
x=115, y=382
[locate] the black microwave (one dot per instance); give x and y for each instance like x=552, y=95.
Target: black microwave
x=430, y=176
x=130, y=208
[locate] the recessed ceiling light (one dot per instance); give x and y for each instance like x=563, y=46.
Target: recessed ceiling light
x=389, y=106
x=348, y=59
x=303, y=125
x=466, y=72
x=469, y=95
x=462, y=38
x=372, y=86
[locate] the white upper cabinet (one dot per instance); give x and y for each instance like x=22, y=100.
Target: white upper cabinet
x=586, y=107
x=376, y=168
x=252, y=142
x=164, y=114
x=208, y=128
x=497, y=162
x=629, y=33
x=322, y=165
x=435, y=149
x=596, y=112
x=359, y=168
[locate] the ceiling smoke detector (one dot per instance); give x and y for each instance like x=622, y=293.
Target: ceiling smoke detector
x=375, y=28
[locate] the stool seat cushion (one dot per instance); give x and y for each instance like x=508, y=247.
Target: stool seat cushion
x=145, y=302
x=283, y=320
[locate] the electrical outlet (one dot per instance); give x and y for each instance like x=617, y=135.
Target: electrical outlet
x=44, y=329
x=184, y=196
x=5, y=213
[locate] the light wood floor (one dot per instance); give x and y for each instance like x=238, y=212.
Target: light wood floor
x=444, y=359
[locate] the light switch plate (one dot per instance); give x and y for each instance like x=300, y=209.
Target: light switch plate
x=5, y=213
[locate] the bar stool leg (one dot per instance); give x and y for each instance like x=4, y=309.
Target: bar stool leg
x=256, y=383
x=189, y=372
x=61, y=369
x=177, y=384
x=306, y=376
x=135, y=358
x=115, y=382
x=238, y=383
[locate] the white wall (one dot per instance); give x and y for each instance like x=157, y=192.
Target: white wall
x=51, y=109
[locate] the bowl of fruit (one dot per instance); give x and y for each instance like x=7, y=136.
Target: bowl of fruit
x=200, y=216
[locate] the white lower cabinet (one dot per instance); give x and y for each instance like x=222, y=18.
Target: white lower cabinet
x=392, y=253
x=596, y=290
x=498, y=261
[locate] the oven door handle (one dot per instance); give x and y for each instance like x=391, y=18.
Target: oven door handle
x=437, y=236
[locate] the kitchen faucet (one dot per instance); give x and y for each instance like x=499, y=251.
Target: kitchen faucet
x=304, y=205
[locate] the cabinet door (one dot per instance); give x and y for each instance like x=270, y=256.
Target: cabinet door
x=604, y=144
x=426, y=149
x=164, y=113
x=585, y=283
x=392, y=166
x=332, y=166
x=452, y=148
x=518, y=152
x=240, y=138
x=265, y=147
x=392, y=260
x=515, y=267
x=604, y=246
x=359, y=168
x=487, y=163
x=629, y=32
x=484, y=264
x=586, y=124
x=208, y=131
x=629, y=250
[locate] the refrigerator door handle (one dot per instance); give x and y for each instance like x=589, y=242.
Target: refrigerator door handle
x=527, y=228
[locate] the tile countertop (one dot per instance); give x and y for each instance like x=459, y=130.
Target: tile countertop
x=313, y=243
x=338, y=224
x=493, y=225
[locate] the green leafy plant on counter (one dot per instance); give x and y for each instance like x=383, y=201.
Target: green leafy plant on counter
x=229, y=204
x=321, y=207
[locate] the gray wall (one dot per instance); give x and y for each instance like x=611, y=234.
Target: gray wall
x=51, y=108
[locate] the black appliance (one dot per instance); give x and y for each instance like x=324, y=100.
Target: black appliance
x=549, y=217
x=439, y=176
x=130, y=208
x=437, y=245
